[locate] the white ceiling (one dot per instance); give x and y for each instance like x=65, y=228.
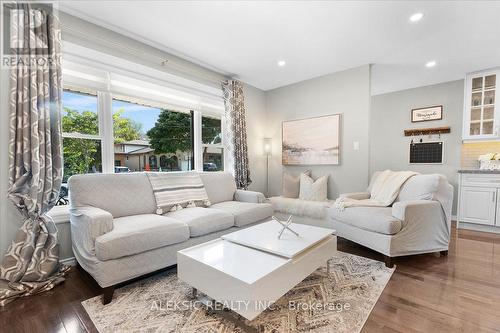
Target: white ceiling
x=247, y=38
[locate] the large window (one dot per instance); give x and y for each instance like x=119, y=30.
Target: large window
x=151, y=139
x=145, y=121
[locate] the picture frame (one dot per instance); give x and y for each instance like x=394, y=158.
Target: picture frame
x=429, y=113
x=311, y=141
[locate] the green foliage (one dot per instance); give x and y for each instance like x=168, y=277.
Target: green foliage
x=171, y=133
x=81, y=156
x=211, y=130
x=85, y=122
x=168, y=163
x=125, y=129
x=84, y=155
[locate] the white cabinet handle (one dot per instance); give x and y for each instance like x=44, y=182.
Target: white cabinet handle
x=493, y=196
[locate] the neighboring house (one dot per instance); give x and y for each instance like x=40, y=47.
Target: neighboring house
x=137, y=155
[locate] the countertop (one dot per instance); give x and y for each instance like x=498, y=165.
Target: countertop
x=479, y=171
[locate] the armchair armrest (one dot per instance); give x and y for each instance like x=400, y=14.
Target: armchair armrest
x=356, y=195
x=417, y=210
x=249, y=196
x=425, y=227
x=88, y=223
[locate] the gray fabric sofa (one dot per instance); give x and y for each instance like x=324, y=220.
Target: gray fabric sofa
x=116, y=235
x=419, y=221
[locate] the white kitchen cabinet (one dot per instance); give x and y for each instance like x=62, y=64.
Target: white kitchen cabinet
x=497, y=219
x=479, y=205
x=481, y=106
x=479, y=200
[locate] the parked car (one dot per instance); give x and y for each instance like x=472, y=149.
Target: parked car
x=210, y=166
x=121, y=169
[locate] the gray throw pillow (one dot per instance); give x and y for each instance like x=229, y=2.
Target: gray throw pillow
x=291, y=184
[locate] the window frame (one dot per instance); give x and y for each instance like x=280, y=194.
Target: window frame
x=216, y=145
x=75, y=135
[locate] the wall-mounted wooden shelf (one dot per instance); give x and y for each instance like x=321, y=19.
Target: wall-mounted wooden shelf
x=427, y=131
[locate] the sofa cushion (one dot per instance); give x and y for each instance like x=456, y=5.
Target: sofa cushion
x=202, y=221
x=139, y=233
x=376, y=219
x=220, y=186
x=245, y=212
x=419, y=187
x=121, y=194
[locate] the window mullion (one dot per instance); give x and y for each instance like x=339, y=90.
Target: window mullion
x=105, y=114
x=226, y=161
x=198, y=147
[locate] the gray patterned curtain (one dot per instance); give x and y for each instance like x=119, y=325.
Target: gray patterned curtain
x=31, y=264
x=236, y=132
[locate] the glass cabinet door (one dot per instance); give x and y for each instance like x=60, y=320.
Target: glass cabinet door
x=482, y=105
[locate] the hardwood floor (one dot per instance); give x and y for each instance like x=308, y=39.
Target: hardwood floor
x=427, y=293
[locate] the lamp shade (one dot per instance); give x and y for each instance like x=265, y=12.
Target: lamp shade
x=267, y=147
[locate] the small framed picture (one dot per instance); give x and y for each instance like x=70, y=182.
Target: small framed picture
x=427, y=114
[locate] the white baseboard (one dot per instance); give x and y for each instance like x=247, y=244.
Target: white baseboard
x=68, y=261
x=479, y=227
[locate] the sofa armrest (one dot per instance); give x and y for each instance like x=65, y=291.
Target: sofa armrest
x=356, y=195
x=249, y=196
x=88, y=223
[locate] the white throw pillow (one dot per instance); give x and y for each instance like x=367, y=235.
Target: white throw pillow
x=313, y=190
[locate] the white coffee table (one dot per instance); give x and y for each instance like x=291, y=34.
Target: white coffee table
x=248, y=270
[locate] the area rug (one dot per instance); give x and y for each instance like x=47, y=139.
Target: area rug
x=337, y=302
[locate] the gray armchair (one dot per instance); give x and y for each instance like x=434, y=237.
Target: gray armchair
x=419, y=221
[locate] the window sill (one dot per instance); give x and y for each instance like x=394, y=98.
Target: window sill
x=60, y=214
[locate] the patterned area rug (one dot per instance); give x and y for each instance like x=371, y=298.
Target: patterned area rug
x=338, y=302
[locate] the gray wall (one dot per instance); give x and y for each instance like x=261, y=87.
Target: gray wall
x=84, y=33
x=390, y=115
x=10, y=219
x=346, y=93
x=255, y=107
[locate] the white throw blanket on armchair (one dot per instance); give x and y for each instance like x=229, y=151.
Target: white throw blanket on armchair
x=384, y=191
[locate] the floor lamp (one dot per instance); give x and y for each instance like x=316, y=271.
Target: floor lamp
x=267, y=151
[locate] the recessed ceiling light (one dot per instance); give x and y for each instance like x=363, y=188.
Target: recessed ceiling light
x=416, y=17
x=281, y=63
x=430, y=64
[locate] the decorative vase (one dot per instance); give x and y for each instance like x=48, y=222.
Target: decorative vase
x=489, y=165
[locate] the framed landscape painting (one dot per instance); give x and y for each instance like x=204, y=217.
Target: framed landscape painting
x=312, y=141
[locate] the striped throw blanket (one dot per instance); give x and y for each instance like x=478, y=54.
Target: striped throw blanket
x=174, y=191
